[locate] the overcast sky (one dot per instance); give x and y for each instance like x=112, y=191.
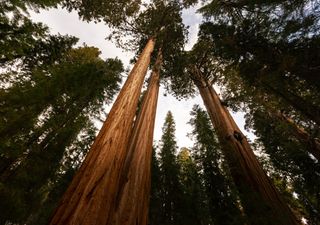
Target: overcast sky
x=94, y=34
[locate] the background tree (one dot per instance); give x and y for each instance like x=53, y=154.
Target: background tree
x=194, y=209
x=74, y=91
x=220, y=193
x=171, y=192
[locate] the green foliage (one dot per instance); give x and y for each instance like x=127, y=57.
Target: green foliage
x=181, y=77
x=112, y=12
x=170, y=192
x=236, y=10
x=290, y=160
x=42, y=118
x=161, y=20
x=193, y=187
x=16, y=5
x=194, y=209
x=29, y=44
x=273, y=45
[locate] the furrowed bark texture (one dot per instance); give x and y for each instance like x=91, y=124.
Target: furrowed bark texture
x=90, y=198
x=261, y=201
x=133, y=199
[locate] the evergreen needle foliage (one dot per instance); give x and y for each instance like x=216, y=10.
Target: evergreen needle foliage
x=264, y=55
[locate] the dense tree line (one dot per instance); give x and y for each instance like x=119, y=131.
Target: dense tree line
x=50, y=93
x=192, y=186
x=262, y=55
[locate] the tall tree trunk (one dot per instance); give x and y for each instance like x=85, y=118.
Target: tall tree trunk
x=90, y=198
x=262, y=203
x=132, y=208
x=313, y=144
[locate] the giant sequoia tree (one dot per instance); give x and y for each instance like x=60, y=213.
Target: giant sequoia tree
x=290, y=146
x=257, y=50
x=275, y=55
x=136, y=172
x=154, y=23
x=202, y=67
x=102, y=165
x=136, y=176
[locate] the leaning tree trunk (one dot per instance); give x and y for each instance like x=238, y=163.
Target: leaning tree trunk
x=133, y=204
x=313, y=144
x=90, y=198
x=308, y=109
x=262, y=203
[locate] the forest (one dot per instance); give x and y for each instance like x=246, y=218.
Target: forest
x=260, y=58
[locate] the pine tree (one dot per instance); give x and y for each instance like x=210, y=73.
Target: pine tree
x=193, y=208
x=78, y=86
x=171, y=193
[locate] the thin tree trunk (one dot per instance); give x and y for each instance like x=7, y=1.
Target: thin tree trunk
x=90, y=198
x=307, y=109
x=262, y=203
x=313, y=144
x=133, y=204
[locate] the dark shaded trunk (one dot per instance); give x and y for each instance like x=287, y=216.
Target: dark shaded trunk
x=262, y=203
x=313, y=144
x=133, y=205
x=307, y=109
x=90, y=199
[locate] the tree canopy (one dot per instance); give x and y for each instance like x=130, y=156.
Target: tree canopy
x=262, y=57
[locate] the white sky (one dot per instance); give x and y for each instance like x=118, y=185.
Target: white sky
x=94, y=34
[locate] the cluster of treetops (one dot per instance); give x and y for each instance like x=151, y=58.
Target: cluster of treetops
x=263, y=55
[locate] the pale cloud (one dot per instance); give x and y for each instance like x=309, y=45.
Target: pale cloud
x=192, y=20
x=93, y=34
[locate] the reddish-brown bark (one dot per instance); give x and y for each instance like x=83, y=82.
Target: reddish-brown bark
x=90, y=198
x=132, y=208
x=261, y=201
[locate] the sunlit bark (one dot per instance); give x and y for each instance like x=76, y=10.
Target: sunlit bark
x=133, y=204
x=262, y=202
x=90, y=199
